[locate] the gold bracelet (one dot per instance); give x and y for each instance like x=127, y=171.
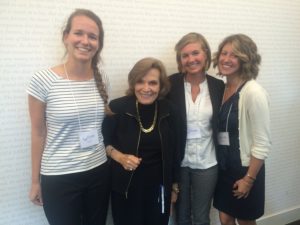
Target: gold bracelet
x=252, y=178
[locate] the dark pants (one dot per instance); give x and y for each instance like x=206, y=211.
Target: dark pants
x=77, y=199
x=142, y=207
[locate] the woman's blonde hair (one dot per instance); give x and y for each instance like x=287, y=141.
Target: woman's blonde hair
x=192, y=38
x=245, y=50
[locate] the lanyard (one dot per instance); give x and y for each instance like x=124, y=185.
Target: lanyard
x=229, y=111
x=75, y=102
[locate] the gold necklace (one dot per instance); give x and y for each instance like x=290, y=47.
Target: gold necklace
x=146, y=130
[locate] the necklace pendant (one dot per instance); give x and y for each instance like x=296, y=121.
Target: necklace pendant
x=147, y=130
x=151, y=128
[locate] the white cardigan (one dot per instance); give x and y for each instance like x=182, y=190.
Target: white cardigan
x=254, y=122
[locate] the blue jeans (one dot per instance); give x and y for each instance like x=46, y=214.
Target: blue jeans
x=196, y=191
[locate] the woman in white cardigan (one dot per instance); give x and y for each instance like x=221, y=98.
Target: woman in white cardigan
x=244, y=133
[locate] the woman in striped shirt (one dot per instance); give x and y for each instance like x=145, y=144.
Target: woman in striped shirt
x=70, y=174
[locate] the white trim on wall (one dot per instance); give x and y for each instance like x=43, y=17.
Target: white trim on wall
x=282, y=217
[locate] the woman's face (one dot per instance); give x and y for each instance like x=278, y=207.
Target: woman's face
x=82, y=42
x=193, y=59
x=228, y=63
x=147, y=89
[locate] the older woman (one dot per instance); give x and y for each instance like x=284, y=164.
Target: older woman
x=198, y=97
x=244, y=133
x=140, y=137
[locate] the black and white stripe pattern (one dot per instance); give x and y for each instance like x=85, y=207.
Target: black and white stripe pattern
x=67, y=102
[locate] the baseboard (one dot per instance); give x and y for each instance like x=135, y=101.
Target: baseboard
x=281, y=218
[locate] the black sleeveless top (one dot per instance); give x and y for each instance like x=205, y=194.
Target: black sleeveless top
x=229, y=156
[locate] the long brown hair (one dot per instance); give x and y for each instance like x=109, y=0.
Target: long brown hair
x=96, y=59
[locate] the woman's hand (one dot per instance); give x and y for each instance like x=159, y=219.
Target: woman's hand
x=174, y=197
x=129, y=162
x=35, y=194
x=175, y=192
x=241, y=188
x=38, y=136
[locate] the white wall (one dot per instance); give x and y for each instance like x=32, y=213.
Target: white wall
x=30, y=34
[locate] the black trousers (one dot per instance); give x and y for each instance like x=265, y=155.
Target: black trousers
x=77, y=199
x=143, y=206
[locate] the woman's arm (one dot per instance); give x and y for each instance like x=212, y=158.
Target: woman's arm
x=259, y=117
x=254, y=167
x=177, y=139
x=38, y=137
x=242, y=187
x=258, y=109
x=109, y=126
x=129, y=162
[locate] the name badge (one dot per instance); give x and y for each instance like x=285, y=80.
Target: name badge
x=193, y=132
x=223, y=138
x=88, y=138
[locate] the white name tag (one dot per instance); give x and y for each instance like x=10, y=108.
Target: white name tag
x=88, y=138
x=193, y=132
x=223, y=138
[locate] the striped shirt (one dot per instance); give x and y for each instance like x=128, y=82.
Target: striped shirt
x=71, y=107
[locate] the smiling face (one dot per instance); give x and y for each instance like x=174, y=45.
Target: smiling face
x=147, y=89
x=82, y=42
x=228, y=63
x=193, y=59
